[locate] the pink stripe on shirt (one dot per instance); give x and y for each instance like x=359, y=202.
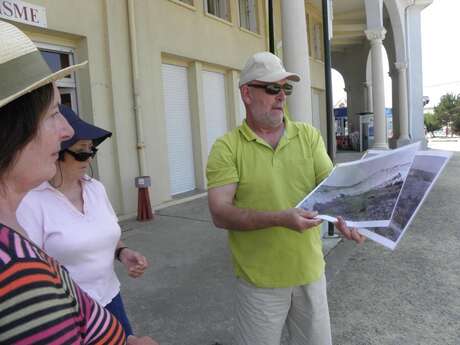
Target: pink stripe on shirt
x=18, y=247
x=4, y=257
x=50, y=331
x=94, y=323
x=30, y=251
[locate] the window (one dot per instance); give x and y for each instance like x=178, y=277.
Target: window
x=248, y=15
x=218, y=8
x=57, y=58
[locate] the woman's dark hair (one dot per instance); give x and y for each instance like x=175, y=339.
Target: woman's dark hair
x=19, y=122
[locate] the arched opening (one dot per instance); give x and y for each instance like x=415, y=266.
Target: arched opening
x=339, y=94
x=340, y=102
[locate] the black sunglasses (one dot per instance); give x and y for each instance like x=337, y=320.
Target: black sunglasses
x=274, y=88
x=82, y=156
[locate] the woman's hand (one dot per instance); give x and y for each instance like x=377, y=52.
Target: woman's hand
x=134, y=262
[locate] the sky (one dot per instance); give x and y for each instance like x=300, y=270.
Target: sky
x=441, y=49
x=440, y=54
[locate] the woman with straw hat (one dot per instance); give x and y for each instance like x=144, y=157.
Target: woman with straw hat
x=72, y=219
x=39, y=303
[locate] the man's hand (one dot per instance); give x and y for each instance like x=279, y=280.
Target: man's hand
x=298, y=219
x=349, y=233
x=134, y=262
x=133, y=340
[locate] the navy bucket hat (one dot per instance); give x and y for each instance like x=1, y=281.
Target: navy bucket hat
x=83, y=130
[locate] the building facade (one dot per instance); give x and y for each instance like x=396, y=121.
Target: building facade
x=163, y=76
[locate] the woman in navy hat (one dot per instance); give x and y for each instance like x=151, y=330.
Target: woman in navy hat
x=70, y=216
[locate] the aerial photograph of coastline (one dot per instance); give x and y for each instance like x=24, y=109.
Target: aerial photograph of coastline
x=426, y=168
x=363, y=192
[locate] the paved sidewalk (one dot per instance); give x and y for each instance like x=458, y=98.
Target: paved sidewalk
x=409, y=296
x=445, y=143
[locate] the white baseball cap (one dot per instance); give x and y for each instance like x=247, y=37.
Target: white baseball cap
x=266, y=67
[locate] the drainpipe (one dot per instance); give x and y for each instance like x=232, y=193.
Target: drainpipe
x=329, y=105
x=142, y=182
x=328, y=81
x=136, y=89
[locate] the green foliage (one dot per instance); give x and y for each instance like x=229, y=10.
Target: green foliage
x=448, y=110
x=456, y=125
x=432, y=123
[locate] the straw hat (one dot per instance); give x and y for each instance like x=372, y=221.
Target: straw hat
x=22, y=67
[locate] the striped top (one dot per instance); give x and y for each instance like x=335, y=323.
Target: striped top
x=40, y=304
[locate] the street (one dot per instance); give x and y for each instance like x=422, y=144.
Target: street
x=409, y=296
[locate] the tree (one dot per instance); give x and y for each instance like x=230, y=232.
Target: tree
x=432, y=123
x=448, y=110
x=456, y=125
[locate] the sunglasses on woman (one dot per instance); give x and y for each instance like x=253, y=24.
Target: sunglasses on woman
x=274, y=88
x=82, y=156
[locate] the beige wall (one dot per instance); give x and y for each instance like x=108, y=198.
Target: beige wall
x=185, y=36
x=82, y=25
x=168, y=32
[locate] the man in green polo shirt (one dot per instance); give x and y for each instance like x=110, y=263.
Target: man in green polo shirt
x=256, y=174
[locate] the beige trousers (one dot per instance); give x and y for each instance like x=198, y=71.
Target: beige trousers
x=261, y=314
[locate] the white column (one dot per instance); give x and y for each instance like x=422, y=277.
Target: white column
x=414, y=71
x=378, y=93
x=295, y=58
x=393, y=73
x=403, y=109
x=368, y=95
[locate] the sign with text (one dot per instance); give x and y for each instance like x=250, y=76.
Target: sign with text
x=23, y=12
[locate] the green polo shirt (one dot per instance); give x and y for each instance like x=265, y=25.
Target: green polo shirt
x=270, y=180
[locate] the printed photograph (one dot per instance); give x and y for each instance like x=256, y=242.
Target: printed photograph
x=426, y=168
x=363, y=192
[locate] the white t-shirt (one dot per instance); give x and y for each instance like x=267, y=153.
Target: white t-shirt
x=82, y=242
